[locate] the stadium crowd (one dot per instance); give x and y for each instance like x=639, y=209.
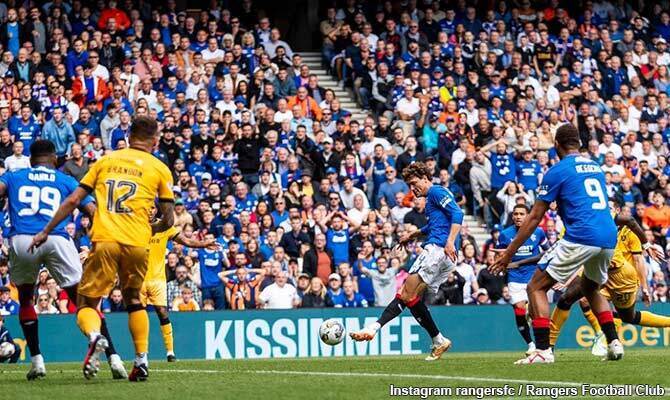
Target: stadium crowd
x=307, y=202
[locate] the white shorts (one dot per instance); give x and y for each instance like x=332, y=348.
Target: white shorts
x=517, y=292
x=58, y=254
x=565, y=258
x=433, y=266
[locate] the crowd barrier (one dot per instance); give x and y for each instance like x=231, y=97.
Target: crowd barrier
x=294, y=333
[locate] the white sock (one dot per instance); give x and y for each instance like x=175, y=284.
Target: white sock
x=37, y=360
x=170, y=353
x=93, y=335
x=375, y=326
x=439, y=339
x=141, y=358
x=114, y=358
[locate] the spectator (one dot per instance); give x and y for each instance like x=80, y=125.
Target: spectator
x=7, y=305
x=316, y=296
x=280, y=294
x=182, y=279
x=60, y=132
x=185, y=302
x=17, y=160
x=352, y=299
x=114, y=303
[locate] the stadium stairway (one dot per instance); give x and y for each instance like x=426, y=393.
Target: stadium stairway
x=347, y=101
x=313, y=61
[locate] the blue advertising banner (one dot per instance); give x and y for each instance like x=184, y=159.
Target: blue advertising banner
x=294, y=333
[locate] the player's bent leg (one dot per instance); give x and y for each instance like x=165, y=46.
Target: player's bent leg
x=166, y=331
x=562, y=311
x=411, y=294
x=537, y=289
x=520, y=310
x=29, y=326
x=591, y=291
x=89, y=322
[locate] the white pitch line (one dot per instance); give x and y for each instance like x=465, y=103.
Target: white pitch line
x=365, y=375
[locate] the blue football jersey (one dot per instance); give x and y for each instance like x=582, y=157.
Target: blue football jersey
x=577, y=184
x=531, y=247
x=34, y=195
x=441, y=211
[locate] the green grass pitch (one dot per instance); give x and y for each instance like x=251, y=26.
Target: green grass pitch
x=337, y=378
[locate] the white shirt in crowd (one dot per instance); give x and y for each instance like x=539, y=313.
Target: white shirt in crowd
x=279, y=297
x=14, y=163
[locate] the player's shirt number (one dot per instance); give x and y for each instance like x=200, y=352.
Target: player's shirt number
x=43, y=201
x=595, y=191
x=117, y=194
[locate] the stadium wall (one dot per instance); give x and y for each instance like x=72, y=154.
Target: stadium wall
x=294, y=333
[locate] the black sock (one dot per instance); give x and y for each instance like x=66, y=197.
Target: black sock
x=105, y=332
x=524, y=329
x=541, y=338
x=30, y=332
x=395, y=308
x=609, y=329
x=423, y=317
x=541, y=332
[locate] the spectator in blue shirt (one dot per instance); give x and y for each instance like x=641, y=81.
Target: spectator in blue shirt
x=390, y=187
x=352, y=299
x=7, y=305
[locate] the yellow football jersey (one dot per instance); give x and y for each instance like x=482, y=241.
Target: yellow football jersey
x=157, y=246
x=627, y=245
x=125, y=184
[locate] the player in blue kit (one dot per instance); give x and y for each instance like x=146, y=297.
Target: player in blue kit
x=34, y=194
x=518, y=278
x=434, y=264
x=577, y=184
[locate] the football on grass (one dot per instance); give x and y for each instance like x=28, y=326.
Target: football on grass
x=331, y=332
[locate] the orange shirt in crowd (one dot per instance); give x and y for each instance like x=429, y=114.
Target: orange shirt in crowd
x=655, y=217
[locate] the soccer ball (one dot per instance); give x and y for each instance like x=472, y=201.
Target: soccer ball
x=331, y=332
x=6, y=349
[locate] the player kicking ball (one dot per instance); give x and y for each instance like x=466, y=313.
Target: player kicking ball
x=433, y=265
x=518, y=278
x=34, y=194
x=126, y=184
x=627, y=273
x=577, y=184
x=154, y=289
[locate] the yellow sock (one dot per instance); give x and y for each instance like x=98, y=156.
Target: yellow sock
x=138, y=324
x=655, y=320
x=593, y=321
x=558, y=318
x=88, y=321
x=617, y=323
x=167, y=337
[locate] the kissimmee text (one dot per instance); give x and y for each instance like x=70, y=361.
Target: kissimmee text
x=284, y=337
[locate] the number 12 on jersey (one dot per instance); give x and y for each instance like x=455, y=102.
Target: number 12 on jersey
x=117, y=193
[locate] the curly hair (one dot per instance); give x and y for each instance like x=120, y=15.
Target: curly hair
x=416, y=170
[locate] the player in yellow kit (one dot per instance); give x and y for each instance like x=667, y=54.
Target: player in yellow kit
x=126, y=184
x=154, y=289
x=626, y=274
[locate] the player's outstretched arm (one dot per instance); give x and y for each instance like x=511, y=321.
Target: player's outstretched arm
x=65, y=210
x=210, y=243
x=527, y=229
x=450, y=247
x=648, y=248
x=166, y=209
x=525, y=261
x=641, y=269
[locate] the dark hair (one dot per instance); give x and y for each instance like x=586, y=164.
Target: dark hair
x=40, y=148
x=143, y=128
x=525, y=207
x=567, y=136
x=418, y=169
